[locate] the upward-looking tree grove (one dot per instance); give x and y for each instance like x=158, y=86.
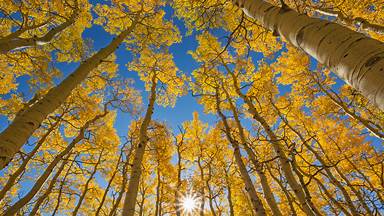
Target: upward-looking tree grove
x=192, y=107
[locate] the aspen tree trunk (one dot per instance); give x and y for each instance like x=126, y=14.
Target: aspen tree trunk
x=14, y=42
x=255, y=200
x=178, y=185
x=25, y=123
x=258, y=166
x=12, y=178
x=86, y=186
x=122, y=189
x=52, y=183
x=141, y=206
x=47, y=172
x=356, y=192
x=161, y=201
x=376, y=130
x=352, y=56
x=363, y=24
x=330, y=197
x=62, y=183
x=133, y=185
x=366, y=179
x=202, y=192
x=158, y=193
x=109, y=183
x=330, y=175
x=304, y=200
x=210, y=194
x=229, y=194
x=285, y=191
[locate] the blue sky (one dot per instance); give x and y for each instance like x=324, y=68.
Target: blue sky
x=185, y=105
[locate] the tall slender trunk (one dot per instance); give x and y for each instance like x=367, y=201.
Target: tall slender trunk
x=255, y=200
x=86, y=186
x=305, y=201
x=290, y=200
x=229, y=194
x=123, y=186
x=109, y=183
x=178, y=184
x=141, y=204
x=330, y=175
x=353, y=189
x=158, y=192
x=354, y=57
x=375, y=129
x=52, y=183
x=202, y=191
x=210, y=194
x=62, y=183
x=13, y=177
x=330, y=197
x=133, y=185
x=26, y=122
x=258, y=166
x=40, y=181
x=14, y=42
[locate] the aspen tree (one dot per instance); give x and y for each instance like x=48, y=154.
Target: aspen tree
x=15, y=40
x=154, y=68
x=255, y=200
x=36, y=187
x=52, y=183
x=28, y=121
x=354, y=57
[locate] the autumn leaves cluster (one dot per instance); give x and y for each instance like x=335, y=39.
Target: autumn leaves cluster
x=289, y=137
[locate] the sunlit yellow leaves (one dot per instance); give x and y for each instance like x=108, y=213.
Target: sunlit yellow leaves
x=159, y=66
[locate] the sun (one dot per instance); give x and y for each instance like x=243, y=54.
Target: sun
x=189, y=203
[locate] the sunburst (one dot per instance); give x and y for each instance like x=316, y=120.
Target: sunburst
x=189, y=203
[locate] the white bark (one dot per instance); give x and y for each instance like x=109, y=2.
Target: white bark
x=267, y=191
x=26, y=122
x=255, y=200
x=352, y=56
x=12, y=210
x=133, y=185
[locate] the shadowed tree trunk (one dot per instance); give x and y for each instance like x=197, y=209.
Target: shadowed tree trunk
x=48, y=191
x=110, y=182
x=26, y=122
x=229, y=193
x=13, y=177
x=255, y=200
x=305, y=201
x=12, y=210
x=133, y=185
x=62, y=183
x=352, y=56
x=86, y=186
x=258, y=166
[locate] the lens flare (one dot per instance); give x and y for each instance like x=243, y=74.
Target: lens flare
x=188, y=203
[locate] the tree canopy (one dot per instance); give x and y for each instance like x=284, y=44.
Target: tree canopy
x=191, y=107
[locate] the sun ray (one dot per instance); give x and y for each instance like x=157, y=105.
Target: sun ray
x=189, y=203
